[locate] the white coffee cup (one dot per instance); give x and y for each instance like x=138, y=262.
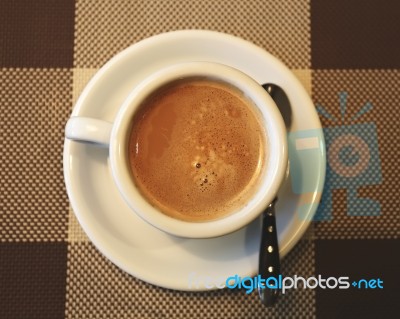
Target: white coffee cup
x=115, y=136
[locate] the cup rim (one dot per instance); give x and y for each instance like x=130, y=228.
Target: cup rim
x=274, y=171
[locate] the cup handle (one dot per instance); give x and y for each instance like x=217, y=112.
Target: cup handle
x=88, y=130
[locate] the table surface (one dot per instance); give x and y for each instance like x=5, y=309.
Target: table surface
x=347, y=56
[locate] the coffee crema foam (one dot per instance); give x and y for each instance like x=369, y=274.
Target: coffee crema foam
x=196, y=150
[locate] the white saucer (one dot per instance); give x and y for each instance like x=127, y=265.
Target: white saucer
x=144, y=251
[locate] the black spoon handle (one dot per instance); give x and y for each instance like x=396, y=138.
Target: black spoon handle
x=269, y=262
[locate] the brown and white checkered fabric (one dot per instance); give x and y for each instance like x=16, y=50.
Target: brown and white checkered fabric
x=48, y=52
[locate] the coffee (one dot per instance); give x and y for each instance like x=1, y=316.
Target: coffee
x=196, y=149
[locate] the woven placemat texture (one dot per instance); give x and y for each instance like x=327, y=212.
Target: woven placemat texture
x=345, y=53
x=34, y=105
x=103, y=28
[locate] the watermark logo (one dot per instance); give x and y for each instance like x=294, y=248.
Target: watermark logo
x=353, y=161
x=286, y=283
x=283, y=283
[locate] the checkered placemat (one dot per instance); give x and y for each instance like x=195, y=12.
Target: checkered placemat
x=346, y=54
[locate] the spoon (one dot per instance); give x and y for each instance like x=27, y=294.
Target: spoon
x=269, y=260
x=282, y=102
x=269, y=263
